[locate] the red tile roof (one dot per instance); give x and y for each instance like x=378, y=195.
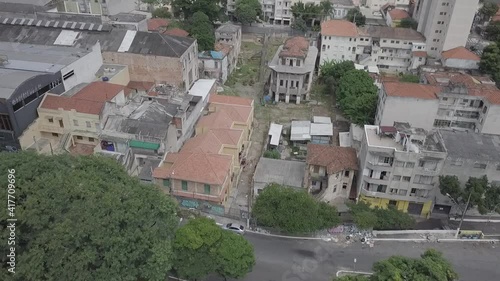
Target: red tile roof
x=212, y=141
x=420, y=54
x=216, y=120
x=221, y=99
x=156, y=23
x=460, y=53
x=196, y=167
x=295, y=47
x=88, y=100
x=334, y=158
x=411, y=90
x=398, y=14
x=235, y=112
x=176, y=32
x=339, y=28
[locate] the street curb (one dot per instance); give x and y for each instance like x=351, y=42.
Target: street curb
x=289, y=237
x=436, y=240
x=468, y=240
x=353, y=272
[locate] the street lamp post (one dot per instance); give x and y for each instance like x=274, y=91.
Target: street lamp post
x=463, y=216
x=492, y=211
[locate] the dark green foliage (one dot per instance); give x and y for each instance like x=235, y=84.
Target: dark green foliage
x=202, y=248
x=247, y=11
x=490, y=61
x=380, y=219
x=162, y=13
x=352, y=278
x=293, y=211
x=85, y=218
x=273, y=154
x=335, y=69
x=408, y=23
x=488, y=10
x=201, y=28
x=355, y=16
x=492, y=31
x=299, y=24
x=357, y=96
x=187, y=8
x=451, y=185
x=308, y=12
x=409, y=78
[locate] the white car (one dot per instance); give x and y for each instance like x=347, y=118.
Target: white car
x=236, y=228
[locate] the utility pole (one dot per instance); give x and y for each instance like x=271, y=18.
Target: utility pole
x=463, y=216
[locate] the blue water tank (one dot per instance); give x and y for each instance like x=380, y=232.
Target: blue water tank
x=105, y=79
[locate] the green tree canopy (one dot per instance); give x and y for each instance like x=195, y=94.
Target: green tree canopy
x=201, y=28
x=85, y=218
x=380, y=219
x=355, y=16
x=246, y=11
x=161, y=13
x=326, y=8
x=299, y=24
x=335, y=69
x=490, y=61
x=308, y=12
x=357, y=96
x=408, y=23
x=409, y=78
x=187, y=8
x=488, y=10
x=450, y=185
x=293, y=211
x=202, y=248
x=492, y=31
x=273, y=154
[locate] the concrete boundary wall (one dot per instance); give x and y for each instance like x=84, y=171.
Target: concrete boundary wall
x=409, y=232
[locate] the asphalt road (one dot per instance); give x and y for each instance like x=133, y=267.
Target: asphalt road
x=280, y=259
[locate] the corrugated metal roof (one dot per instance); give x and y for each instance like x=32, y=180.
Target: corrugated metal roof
x=144, y=145
x=300, y=130
x=275, y=133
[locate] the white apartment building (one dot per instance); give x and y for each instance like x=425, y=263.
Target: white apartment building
x=292, y=70
x=400, y=166
x=342, y=7
x=376, y=5
x=98, y=7
x=445, y=23
x=448, y=103
x=391, y=49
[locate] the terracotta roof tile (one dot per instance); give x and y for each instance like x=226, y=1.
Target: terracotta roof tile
x=235, y=112
x=176, y=32
x=212, y=141
x=411, y=90
x=334, y=158
x=221, y=99
x=295, y=47
x=339, y=28
x=196, y=167
x=460, y=53
x=216, y=120
x=156, y=23
x=420, y=54
x=398, y=14
x=88, y=100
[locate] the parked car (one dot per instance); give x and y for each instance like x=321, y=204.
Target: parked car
x=236, y=228
x=8, y=148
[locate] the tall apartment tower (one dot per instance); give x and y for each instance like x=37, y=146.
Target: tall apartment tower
x=444, y=23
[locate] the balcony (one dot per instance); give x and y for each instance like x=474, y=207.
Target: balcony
x=52, y=129
x=384, y=180
x=411, y=197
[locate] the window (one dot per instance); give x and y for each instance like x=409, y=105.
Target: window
x=406, y=179
x=346, y=173
x=400, y=164
x=166, y=182
x=281, y=82
x=216, y=64
x=381, y=188
x=385, y=160
x=61, y=124
x=397, y=42
x=68, y=75
x=5, y=122
x=392, y=202
x=184, y=185
x=323, y=47
x=75, y=122
x=498, y=167
x=479, y=165
x=396, y=178
x=91, y=139
x=89, y=125
x=51, y=120
x=298, y=62
x=55, y=134
x=344, y=186
x=334, y=190
x=422, y=179
x=315, y=169
x=410, y=165
x=384, y=41
x=79, y=137
x=402, y=192
x=207, y=189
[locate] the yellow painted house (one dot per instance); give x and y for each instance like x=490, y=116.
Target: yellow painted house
x=71, y=123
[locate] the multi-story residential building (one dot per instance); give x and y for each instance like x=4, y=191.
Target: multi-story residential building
x=399, y=166
x=338, y=40
x=342, y=7
x=471, y=155
x=445, y=23
x=377, y=5
x=152, y=57
x=391, y=49
x=98, y=7
x=330, y=173
x=214, y=65
x=28, y=72
x=292, y=70
x=228, y=41
x=446, y=100
x=393, y=17
x=71, y=122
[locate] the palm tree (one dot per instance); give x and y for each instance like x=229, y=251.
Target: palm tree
x=326, y=9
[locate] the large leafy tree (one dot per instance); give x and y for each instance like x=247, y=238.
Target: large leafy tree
x=308, y=12
x=246, y=11
x=380, y=219
x=450, y=186
x=202, y=248
x=488, y=10
x=85, y=218
x=326, y=8
x=201, y=28
x=408, y=23
x=431, y=266
x=490, y=61
x=293, y=211
x=355, y=16
x=187, y=8
x=357, y=96
x=492, y=31
x=335, y=69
